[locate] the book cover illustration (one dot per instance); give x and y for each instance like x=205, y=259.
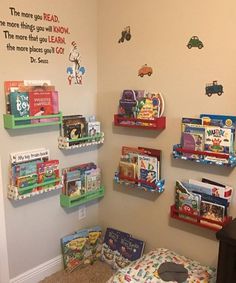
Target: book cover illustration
x=212, y=211
x=93, y=128
x=120, y=248
x=218, y=140
x=48, y=171
x=19, y=104
x=110, y=245
x=219, y=120
x=192, y=141
x=23, y=169
x=93, y=179
x=74, y=188
x=81, y=248
x=129, y=249
x=40, y=104
x=74, y=127
x=127, y=171
x=148, y=172
x=185, y=200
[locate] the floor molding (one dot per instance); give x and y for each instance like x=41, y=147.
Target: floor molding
x=39, y=272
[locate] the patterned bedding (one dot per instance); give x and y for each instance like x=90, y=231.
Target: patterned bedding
x=145, y=270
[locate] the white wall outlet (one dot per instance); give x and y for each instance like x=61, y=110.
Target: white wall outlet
x=82, y=212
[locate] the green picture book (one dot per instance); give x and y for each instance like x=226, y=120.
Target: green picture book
x=19, y=106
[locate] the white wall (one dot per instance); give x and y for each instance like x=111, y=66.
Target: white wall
x=34, y=226
x=160, y=31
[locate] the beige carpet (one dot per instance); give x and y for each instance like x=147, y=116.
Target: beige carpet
x=99, y=272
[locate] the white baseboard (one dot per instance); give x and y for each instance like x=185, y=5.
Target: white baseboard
x=39, y=272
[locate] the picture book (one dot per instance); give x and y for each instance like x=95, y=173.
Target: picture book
x=186, y=200
x=212, y=211
x=48, y=171
x=37, y=82
x=10, y=86
x=74, y=127
x=19, y=104
x=219, y=120
x=23, y=169
x=228, y=190
x=74, y=188
x=40, y=103
x=154, y=153
x=120, y=248
x=93, y=128
x=129, y=249
x=81, y=248
x=195, y=121
x=148, y=171
x=194, y=142
x=218, y=140
x=26, y=181
x=110, y=245
x=127, y=171
x=206, y=188
x=93, y=179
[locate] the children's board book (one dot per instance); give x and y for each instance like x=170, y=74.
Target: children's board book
x=219, y=120
x=219, y=140
x=120, y=248
x=81, y=248
x=185, y=200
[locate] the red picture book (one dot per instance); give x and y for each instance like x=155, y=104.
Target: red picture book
x=41, y=103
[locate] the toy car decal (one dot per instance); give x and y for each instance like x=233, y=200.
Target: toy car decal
x=145, y=70
x=125, y=35
x=214, y=87
x=194, y=42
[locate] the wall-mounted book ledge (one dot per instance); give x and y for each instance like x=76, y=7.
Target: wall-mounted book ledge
x=151, y=124
x=15, y=193
x=206, y=157
x=12, y=122
x=68, y=201
x=185, y=216
x=156, y=187
x=32, y=173
x=66, y=143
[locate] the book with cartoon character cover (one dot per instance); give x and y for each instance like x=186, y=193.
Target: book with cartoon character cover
x=81, y=248
x=120, y=248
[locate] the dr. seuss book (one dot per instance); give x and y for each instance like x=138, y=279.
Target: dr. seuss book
x=148, y=171
x=120, y=248
x=219, y=140
x=81, y=248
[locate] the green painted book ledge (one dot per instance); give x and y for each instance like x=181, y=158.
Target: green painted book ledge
x=12, y=122
x=67, y=201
